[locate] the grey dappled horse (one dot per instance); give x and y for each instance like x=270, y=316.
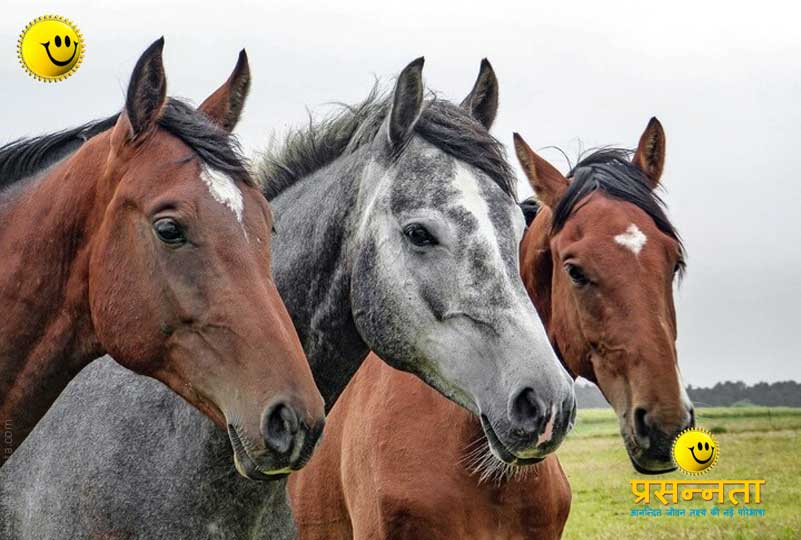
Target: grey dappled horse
x=397, y=231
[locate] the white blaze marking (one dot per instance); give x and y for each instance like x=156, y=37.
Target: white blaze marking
x=466, y=182
x=472, y=200
x=223, y=190
x=633, y=239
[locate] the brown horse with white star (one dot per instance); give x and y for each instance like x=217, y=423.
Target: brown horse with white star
x=144, y=236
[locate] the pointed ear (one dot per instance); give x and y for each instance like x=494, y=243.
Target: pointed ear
x=650, y=155
x=225, y=105
x=482, y=101
x=546, y=181
x=147, y=90
x=407, y=103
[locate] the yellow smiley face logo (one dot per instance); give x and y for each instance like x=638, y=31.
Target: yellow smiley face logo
x=695, y=451
x=50, y=48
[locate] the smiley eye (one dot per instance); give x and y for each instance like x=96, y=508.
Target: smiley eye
x=170, y=232
x=700, y=446
x=58, y=41
x=67, y=41
x=706, y=446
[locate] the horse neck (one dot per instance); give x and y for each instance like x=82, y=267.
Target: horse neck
x=46, y=332
x=312, y=262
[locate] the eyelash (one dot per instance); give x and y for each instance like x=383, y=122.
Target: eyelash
x=577, y=275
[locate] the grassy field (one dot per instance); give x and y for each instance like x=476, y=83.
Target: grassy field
x=755, y=443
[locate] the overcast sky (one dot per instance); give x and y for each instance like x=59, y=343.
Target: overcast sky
x=723, y=79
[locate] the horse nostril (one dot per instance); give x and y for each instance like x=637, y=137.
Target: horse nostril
x=640, y=425
x=279, y=425
x=526, y=412
x=692, y=417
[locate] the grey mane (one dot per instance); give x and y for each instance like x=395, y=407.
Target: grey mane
x=447, y=126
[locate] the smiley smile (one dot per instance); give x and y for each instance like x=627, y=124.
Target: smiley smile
x=46, y=46
x=701, y=461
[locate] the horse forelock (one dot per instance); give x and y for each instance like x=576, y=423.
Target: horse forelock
x=609, y=171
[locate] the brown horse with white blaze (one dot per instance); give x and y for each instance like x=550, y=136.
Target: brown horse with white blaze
x=143, y=236
x=599, y=261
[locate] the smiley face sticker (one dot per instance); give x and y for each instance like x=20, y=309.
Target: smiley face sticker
x=50, y=48
x=695, y=451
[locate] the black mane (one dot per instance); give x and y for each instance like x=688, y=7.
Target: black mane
x=610, y=171
x=445, y=125
x=24, y=157
x=214, y=146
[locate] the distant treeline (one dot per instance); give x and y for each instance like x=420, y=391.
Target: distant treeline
x=725, y=394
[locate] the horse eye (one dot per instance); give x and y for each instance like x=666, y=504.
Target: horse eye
x=576, y=274
x=419, y=235
x=169, y=232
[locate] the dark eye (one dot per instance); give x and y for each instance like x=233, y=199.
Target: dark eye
x=419, y=235
x=576, y=274
x=169, y=232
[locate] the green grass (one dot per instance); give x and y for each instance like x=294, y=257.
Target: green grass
x=755, y=443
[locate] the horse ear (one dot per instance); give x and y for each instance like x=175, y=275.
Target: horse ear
x=547, y=182
x=225, y=105
x=147, y=90
x=650, y=155
x=482, y=101
x=407, y=103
